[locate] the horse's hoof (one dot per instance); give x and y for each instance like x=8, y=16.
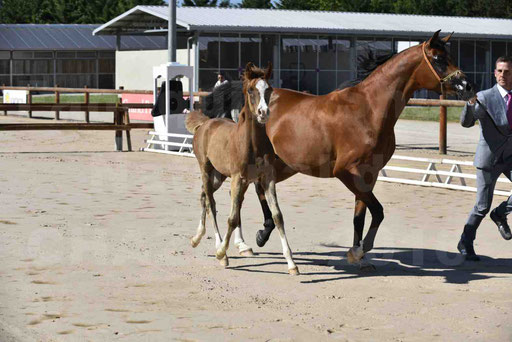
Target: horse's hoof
x=294, y=271
x=220, y=255
x=247, y=252
x=353, y=257
x=224, y=261
x=194, y=243
x=261, y=239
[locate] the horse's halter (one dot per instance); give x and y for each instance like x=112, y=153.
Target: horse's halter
x=456, y=73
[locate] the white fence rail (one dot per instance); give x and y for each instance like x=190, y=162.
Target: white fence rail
x=181, y=144
x=170, y=143
x=431, y=170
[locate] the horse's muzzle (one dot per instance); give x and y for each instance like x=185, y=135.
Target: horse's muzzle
x=464, y=89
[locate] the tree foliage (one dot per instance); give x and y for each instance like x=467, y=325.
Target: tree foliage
x=66, y=11
x=101, y=11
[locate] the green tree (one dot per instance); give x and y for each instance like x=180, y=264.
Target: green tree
x=297, y=4
x=200, y=3
x=256, y=4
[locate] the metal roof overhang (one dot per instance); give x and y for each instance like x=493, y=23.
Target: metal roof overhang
x=139, y=20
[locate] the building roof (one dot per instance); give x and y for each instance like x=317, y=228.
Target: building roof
x=142, y=19
x=68, y=37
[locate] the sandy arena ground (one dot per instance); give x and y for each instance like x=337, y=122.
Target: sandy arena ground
x=95, y=247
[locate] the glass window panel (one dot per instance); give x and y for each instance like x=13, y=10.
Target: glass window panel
x=308, y=82
x=382, y=47
x=467, y=55
x=76, y=81
x=509, y=49
x=208, y=51
x=108, y=54
x=43, y=54
x=289, y=52
x=268, y=47
x=33, y=80
x=86, y=54
x=22, y=55
x=231, y=75
x=453, y=49
x=343, y=51
x=326, y=82
x=5, y=67
x=482, y=81
x=207, y=79
x=289, y=80
x=74, y=66
x=66, y=54
x=343, y=78
x=363, y=45
x=229, y=51
x=327, y=53
x=5, y=80
x=483, y=56
x=107, y=65
x=31, y=66
x=498, y=49
x=250, y=50
x=5, y=54
x=308, y=53
x=106, y=82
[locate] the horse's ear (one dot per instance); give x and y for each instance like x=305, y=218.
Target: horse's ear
x=434, y=38
x=248, y=70
x=268, y=71
x=447, y=38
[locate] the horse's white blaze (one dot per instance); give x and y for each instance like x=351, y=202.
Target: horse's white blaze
x=262, y=109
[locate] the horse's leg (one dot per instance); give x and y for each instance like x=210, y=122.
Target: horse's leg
x=210, y=184
x=263, y=235
x=359, y=215
x=270, y=193
x=238, y=188
x=201, y=229
x=363, y=191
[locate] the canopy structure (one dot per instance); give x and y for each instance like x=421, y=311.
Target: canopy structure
x=153, y=19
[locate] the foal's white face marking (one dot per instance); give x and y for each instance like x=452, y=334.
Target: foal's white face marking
x=262, y=110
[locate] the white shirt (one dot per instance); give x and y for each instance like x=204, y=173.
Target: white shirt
x=503, y=93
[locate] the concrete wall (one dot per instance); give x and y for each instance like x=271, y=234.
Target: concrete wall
x=134, y=69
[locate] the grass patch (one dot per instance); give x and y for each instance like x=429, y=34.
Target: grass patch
x=430, y=113
x=78, y=98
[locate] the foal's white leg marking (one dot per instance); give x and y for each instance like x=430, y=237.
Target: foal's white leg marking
x=270, y=194
x=243, y=248
x=201, y=230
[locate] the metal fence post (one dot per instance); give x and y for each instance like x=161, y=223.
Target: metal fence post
x=442, y=127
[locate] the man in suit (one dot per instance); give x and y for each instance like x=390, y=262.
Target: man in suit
x=493, y=109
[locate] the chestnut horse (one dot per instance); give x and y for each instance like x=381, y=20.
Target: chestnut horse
x=349, y=134
x=241, y=151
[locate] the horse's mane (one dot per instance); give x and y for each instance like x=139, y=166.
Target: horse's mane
x=222, y=99
x=366, y=64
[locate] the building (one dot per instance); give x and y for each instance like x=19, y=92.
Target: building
x=311, y=51
x=63, y=55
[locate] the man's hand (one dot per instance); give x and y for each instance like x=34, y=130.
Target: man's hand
x=472, y=100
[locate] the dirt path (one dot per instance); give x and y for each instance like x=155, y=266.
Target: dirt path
x=95, y=247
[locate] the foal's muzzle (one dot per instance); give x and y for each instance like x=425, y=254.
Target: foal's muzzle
x=262, y=116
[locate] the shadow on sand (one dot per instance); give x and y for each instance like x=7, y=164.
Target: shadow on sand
x=388, y=261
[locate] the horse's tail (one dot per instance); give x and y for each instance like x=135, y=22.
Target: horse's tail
x=194, y=120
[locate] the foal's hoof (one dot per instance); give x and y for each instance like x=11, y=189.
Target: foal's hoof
x=261, y=238
x=220, y=254
x=294, y=271
x=247, y=252
x=224, y=261
x=194, y=242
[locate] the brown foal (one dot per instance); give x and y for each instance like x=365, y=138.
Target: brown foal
x=349, y=133
x=241, y=151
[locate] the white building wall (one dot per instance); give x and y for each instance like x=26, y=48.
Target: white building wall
x=134, y=69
